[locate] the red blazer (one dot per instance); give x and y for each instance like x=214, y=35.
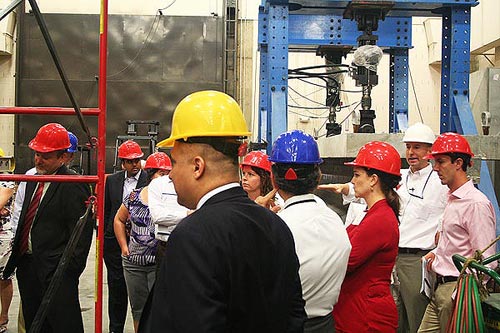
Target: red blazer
x=365, y=302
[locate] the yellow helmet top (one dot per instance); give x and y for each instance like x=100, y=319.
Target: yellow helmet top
x=206, y=113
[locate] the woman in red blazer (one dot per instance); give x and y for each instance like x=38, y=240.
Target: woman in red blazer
x=365, y=303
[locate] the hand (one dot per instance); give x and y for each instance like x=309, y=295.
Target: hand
x=267, y=200
x=429, y=257
x=337, y=188
x=4, y=212
x=436, y=237
x=125, y=252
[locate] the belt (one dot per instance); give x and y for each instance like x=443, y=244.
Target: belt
x=444, y=279
x=409, y=250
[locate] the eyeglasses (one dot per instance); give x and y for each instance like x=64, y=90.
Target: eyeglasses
x=133, y=161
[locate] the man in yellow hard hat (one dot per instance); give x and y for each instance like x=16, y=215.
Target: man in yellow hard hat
x=230, y=266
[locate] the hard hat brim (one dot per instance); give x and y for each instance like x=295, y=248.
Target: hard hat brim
x=169, y=142
x=355, y=164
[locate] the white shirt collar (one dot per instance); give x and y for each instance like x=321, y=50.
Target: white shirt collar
x=424, y=171
x=136, y=176
x=214, y=192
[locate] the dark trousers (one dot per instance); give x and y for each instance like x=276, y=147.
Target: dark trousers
x=117, y=288
x=160, y=254
x=323, y=324
x=64, y=314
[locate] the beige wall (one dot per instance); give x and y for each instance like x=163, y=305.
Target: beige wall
x=7, y=79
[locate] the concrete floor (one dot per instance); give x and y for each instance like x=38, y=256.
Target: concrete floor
x=86, y=300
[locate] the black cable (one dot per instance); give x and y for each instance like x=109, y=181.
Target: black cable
x=309, y=116
x=303, y=96
x=320, y=66
x=351, y=91
x=309, y=107
x=415, y=93
x=316, y=74
x=146, y=43
x=312, y=83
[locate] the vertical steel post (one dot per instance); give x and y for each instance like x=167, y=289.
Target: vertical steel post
x=398, y=90
x=277, y=69
x=264, y=90
x=455, y=69
x=456, y=113
x=101, y=158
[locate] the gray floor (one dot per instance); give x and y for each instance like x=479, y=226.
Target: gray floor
x=86, y=300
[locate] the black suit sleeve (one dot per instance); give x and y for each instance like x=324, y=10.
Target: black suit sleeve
x=298, y=314
x=74, y=209
x=194, y=297
x=107, y=201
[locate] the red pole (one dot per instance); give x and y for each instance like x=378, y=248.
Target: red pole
x=45, y=111
x=101, y=158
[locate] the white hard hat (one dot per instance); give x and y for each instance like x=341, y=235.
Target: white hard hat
x=419, y=133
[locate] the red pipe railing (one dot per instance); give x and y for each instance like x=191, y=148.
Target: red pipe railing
x=50, y=178
x=46, y=111
x=101, y=157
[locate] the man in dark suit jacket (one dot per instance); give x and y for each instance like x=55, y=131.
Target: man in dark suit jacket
x=118, y=186
x=230, y=266
x=45, y=227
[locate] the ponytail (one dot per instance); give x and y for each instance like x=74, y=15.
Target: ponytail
x=388, y=183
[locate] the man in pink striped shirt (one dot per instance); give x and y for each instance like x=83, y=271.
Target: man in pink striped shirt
x=468, y=225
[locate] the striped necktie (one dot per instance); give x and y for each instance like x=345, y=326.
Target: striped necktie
x=28, y=219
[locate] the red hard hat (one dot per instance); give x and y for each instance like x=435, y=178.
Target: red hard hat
x=158, y=161
x=380, y=156
x=130, y=150
x=50, y=137
x=450, y=143
x=257, y=159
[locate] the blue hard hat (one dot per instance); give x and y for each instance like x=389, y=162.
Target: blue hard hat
x=74, y=143
x=295, y=147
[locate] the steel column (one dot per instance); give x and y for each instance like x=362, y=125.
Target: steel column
x=398, y=90
x=455, y=68
x=273, y=36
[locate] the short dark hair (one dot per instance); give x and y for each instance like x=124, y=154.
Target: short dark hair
x=465, y=157
x=307, y=177
x=229, y=146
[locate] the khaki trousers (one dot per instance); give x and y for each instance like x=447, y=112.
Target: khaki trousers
x=439, y=310
x=412, y=302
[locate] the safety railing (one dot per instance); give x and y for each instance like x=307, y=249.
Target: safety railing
x=95, y=142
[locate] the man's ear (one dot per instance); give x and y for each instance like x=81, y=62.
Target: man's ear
x=199, y=167
x=459, y=162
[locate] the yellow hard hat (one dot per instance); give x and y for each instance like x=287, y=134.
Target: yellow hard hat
x=206, y=113
x=2, y=153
